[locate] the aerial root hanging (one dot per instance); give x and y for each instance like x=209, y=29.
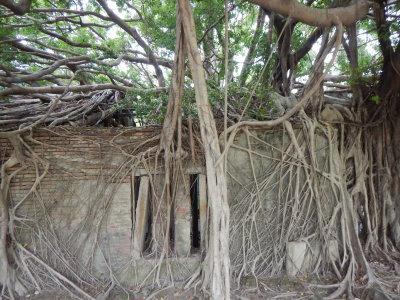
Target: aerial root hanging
x=342, y=203
x=316, y=203
x=47, y=263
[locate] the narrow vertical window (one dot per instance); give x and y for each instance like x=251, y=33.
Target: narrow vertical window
x=142, y=226
x=195, y=207
x=148, y=238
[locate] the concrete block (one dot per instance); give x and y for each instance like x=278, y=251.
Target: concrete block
x=333, y=250
x=295, y=256
x=302, y=257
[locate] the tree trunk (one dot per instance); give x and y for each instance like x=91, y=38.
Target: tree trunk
x=217, y=259
x=7, y=275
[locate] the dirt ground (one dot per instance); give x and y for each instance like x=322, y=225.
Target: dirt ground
x=275, y=288
x=301, y=287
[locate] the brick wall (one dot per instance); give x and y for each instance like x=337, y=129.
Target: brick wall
x=85, y=202
x=82, y=189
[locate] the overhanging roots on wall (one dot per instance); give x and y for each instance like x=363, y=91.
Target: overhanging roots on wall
x=304, y=201
x=84, y=211
x=87, y=211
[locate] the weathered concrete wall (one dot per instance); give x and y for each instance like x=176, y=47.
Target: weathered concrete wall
x=274, y=192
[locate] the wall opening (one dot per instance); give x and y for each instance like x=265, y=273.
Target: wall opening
x=186, y=218
x=135, y=185
x=141, y=214
x=135, y=193
x=172, y=222
x=195, y=210
x=147, y=246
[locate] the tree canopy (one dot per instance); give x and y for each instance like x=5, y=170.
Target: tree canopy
x=77, y=48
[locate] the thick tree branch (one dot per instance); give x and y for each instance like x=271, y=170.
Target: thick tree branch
x=37, y=52
x=38, y=74
x=72, y=43
x=321, y=17
x=72, y=62
x=55, y=49
x=113, y=78
x=307, y=45
x=132, y=31
x=81, y=13
x=19, y=8
x=141, y=60
x=41, y=22
x=23, y=90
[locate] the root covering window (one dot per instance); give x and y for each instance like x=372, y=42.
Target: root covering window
x=177, y=227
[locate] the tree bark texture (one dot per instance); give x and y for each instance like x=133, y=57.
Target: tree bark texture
x=217, y=259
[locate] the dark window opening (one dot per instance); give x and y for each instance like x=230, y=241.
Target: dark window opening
x=135, y=185
x=147, y=246
x=172, y=223
x=195, y=204
x=135, y=196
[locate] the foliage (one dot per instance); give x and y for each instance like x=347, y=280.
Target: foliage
x=151, y=107
x=58, y=30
